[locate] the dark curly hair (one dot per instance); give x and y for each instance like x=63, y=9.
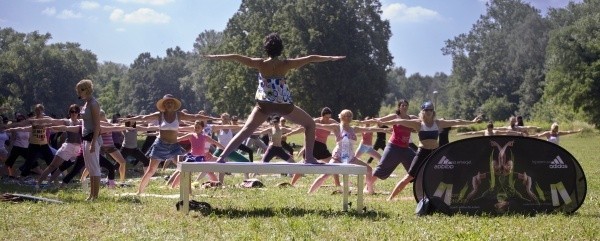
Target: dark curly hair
x=273, y=45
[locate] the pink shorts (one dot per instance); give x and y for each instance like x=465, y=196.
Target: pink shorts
x=68, y=151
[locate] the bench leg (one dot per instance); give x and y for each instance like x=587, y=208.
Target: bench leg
x=359, y=186
x=185, y=186
x=346, y=191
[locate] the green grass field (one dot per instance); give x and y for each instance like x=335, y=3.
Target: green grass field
x=274, y=213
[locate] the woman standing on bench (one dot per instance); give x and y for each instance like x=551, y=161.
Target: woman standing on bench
x=273, y=95
x=166, y=145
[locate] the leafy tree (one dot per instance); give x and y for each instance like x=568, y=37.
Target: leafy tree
x=149, y=79
x=195, y=83
x=306, y=27
x=501, y=57
x=573, y=61
x=32, y=72
x=108, y=83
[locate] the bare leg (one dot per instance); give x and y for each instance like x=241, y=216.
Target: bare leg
x=147, y=175
x=318, y=183
x=176, y=179
x=255, y=119
x=84, y=174
x=172, y=178
x=300, y=117
x=400, y=186
x=121, y=160
x=295, y=179
x=50, y=168
x=369, y=178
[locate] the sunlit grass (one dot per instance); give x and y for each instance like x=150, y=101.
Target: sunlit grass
x=274, y=213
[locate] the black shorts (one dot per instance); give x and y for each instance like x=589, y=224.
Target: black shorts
x=275, y=151
x=320, y=151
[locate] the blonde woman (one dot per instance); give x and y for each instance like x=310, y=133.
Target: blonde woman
x=90, y=117
x=428, y=128
x=553, y=134
x=340, y=130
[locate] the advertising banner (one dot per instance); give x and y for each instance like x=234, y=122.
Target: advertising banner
x=501, y=174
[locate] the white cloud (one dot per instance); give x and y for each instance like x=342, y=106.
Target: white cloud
x=151, y=2
x=399, y=12
x=68, y=14
x=116, y=15
x=89, y=5
x=108, y=7
x=142, y=15
x=50, y=11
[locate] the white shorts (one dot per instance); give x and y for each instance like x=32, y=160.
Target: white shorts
x=68, y=151
x=365, y=148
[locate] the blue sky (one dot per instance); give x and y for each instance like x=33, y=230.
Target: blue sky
x=119, y=30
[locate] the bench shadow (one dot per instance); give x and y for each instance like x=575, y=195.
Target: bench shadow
x=292, y=212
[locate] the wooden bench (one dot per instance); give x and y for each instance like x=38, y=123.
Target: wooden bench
x=187, y=168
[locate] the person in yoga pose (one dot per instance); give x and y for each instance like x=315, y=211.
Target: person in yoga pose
x=273, y=95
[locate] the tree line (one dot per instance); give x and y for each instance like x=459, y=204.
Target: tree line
x=512, y=61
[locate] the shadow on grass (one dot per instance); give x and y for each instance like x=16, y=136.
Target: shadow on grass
x=292, y=212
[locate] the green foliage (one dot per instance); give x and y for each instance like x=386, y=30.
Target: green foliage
x=502, y=56
x=496, y=108
x=273, y=213
x=32, y=71
x=573, y=79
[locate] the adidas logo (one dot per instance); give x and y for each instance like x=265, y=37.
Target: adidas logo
x=444, y=163
x=558, y=163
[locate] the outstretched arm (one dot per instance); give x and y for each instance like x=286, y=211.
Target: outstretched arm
x=471, y=133
x=250, y=62
x=410, y=123
x=299, y=62
x=450, y=123
x=562, y=133
x=194, y=117
x=150, y=117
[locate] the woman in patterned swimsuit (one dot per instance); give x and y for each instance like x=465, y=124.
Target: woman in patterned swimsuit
x=273, y=95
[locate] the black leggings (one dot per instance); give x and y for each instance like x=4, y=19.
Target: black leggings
x=15, y=153
x=80, y=164
x=137, y=154
x=248, y=150
x=35, y=151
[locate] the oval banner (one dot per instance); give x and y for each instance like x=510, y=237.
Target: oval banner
x=501, y=174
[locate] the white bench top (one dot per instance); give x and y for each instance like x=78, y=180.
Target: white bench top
x=284, y=167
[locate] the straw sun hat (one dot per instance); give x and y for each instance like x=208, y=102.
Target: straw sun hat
x=161, y=107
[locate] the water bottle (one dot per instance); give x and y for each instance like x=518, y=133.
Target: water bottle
x=345, y=149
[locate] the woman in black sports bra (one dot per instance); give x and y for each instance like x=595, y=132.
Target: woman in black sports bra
x=428, y=129
x=273, y=95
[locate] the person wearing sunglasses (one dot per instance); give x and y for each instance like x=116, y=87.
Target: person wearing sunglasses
x=428, y=128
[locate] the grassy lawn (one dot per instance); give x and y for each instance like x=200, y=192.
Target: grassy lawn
x=274, y=213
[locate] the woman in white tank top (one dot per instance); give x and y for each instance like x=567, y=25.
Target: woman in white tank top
x=339, y=130
x=554, y=134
